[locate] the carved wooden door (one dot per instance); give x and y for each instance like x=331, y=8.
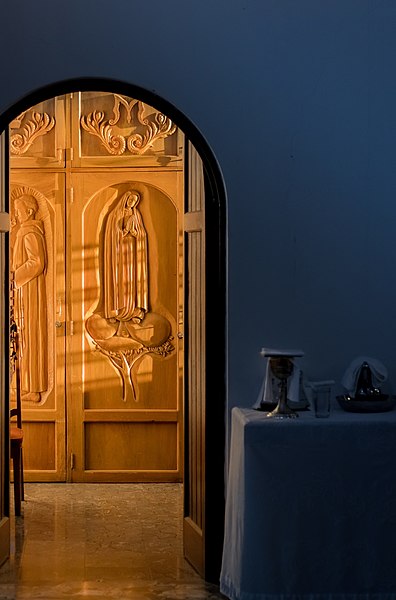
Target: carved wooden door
x=126, y=396
x=109, y=201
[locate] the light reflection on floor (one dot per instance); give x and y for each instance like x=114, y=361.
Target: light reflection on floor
x=115, y=541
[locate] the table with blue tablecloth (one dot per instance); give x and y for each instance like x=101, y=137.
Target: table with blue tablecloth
x=311, y=507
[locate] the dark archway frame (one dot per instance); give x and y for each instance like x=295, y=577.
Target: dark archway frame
x=216, y=292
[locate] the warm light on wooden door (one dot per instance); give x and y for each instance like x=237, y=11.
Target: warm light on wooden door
x=97, y=187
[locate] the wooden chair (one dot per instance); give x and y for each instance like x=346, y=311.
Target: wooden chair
x=16, y=432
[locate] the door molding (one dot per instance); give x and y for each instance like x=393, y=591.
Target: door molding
x=216, y=286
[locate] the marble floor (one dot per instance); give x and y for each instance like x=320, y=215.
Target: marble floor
x=114, y=541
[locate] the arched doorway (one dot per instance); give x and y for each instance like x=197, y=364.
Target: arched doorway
x=204, y=424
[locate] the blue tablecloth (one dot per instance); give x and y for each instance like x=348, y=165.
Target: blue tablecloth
x=311, y=507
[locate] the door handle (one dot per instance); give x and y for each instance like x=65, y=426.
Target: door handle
x=58, y=323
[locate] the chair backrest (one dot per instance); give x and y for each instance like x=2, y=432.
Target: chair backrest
x=17, y=411
x=14, y=360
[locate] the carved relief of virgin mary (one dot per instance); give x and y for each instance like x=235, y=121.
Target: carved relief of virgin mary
x=123, y=326
x=125, y=285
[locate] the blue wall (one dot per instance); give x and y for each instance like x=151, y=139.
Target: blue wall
x=297, y=99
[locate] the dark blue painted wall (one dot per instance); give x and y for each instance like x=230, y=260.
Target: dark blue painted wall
x=297, y=99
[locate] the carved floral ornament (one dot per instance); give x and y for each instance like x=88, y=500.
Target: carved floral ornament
x=147, y=129
x=39, y=124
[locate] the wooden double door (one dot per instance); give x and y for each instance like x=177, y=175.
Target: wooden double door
x=97, y=199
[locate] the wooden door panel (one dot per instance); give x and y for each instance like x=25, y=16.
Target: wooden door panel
x=194, y=485
x=125, y=384
x=39, y=456
x=40, y=303
x=123, y=446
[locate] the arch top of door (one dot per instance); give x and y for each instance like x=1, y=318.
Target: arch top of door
x=87, y=84
x=216, y=286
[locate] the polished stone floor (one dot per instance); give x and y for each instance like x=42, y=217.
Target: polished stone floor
x=115, y=541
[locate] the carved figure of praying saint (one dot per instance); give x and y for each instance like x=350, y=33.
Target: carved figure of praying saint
x=29, y=260
x=125, y=273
